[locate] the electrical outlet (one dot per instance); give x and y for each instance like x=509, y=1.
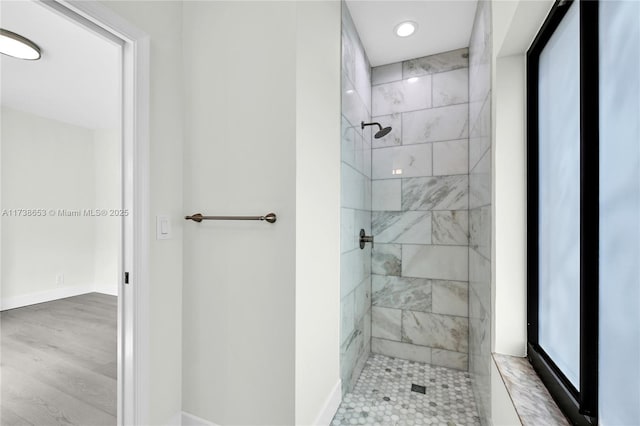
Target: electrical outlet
x=60, y=279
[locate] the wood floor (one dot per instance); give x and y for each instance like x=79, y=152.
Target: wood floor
x=58, y=363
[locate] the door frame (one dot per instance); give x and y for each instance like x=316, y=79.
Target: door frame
x=133, y=296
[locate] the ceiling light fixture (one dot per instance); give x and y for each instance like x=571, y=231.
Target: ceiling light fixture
x=405, y=29
x=12, y=44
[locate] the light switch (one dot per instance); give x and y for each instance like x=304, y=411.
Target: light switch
x=163, y=227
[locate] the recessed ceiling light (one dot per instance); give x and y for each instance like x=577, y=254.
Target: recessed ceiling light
x=12, y=44
x=405, y=29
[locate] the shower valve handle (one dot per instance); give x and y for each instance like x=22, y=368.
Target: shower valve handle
x=365, y=239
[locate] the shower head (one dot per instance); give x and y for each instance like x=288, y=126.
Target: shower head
x=380, y=133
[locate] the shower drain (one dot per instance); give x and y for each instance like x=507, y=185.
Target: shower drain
x=418, y=388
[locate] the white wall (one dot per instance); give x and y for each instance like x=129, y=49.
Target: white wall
x=510, y=208
x=261, y=302
x=162, y=20
x=240, y=159
x=46, y=165
x=108, y=195
x=515, y=25
x=317, y=291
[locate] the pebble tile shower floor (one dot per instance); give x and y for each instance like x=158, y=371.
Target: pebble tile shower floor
x=383, y=396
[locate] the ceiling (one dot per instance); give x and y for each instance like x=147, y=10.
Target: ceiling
x=443, y=25
x=77, y=80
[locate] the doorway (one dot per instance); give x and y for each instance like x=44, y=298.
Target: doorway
x=105, y=215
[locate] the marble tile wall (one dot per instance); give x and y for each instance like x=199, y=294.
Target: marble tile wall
x=420, y=203
x=355, y=277
x=480, y=209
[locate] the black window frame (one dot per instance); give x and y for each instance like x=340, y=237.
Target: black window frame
x=579, y=405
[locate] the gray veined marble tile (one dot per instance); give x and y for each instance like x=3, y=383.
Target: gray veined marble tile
x=410, y=227
x=401, y=96
x=386, y=195
x=347, y=230
x=451, y=157
x=479, y=284
x=480, y=230
x=435, y=193
x=386, y=73
x=348, y=143
x=401, y=293
x=477, y=147
x=385, y=323
x=450, y=227
x=451, y=87
x=436, y=262
x=402, y=161
x=401, y=350
x=362, y=299
x=450, y=359
x=480, y=182
x=450, y=298
x=386, y=259
x=394, y=138
x=435, y=124
x=347, y=315
x=437, y=331
x=440, y=62
x=480, y=119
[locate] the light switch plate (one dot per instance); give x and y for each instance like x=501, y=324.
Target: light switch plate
x=163, y=227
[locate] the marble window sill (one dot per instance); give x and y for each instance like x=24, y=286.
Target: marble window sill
x=530, y=397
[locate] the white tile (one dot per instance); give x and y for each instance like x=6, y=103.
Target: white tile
x=362, y=299
x=451, y=157
x=402, y=161
x=386, y=259
x=386, y=73
x=412, y=294
x=450, y=359
x=439, y=62
x=347, y=313
x=401, y=350
x=450, y=298
x=353, y=107
x=362, y=155
x=386, y=194
x=355, y=267
x=450, y=227
x=355, y=189
x=401, y=96
x=451, y=87
x=480, y=230
x=348, y=143
x=436, y=193
x=436, y=262
x=347, y=230
x=480, y=182
x=477, y=147
x=436, y=124
x=411, y=227
x=363, y=79
x=436, y=331
x=385, y=323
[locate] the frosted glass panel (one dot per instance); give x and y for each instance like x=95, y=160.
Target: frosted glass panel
x=619, y=369
x=559, y=180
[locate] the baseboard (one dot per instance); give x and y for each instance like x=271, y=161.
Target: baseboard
x=109, y=290
x=42, y=296
x=330, y=406
x=175, y=420
x=191, y=420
